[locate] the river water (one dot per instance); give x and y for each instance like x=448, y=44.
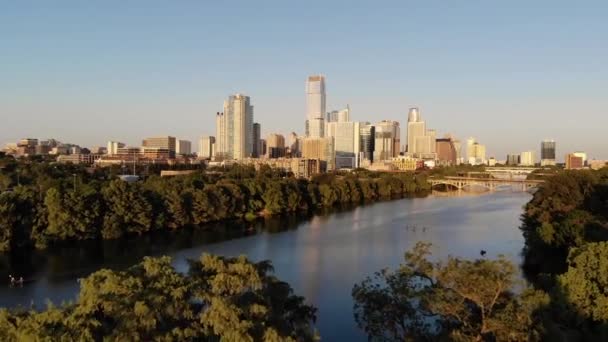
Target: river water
x=321, y=256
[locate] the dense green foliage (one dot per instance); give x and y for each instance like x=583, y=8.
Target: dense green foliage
x=51, y=202
x=565, y=226
x=458, y=300
x=219, y=299
x=569, y=210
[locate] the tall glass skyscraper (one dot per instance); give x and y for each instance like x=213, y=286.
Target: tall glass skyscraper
x=547, y=153
x=315, y=105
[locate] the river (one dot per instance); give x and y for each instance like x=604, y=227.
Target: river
x=321, y=256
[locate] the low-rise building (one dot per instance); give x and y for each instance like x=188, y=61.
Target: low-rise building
x=574, y=162
x=406, y=163
x=300, y=167
x=78, y=158
x=598, y=164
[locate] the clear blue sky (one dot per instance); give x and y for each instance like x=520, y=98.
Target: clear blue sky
x=509, y=73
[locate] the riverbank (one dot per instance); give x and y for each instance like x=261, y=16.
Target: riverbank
x=95, y=209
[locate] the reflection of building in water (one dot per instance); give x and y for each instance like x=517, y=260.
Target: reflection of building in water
x=311, y=260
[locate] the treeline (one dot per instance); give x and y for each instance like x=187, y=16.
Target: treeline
x=451, y=300
x=565, y=226
x=219, y=299
x=53, y=203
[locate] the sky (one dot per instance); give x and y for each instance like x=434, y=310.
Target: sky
x=509, y=73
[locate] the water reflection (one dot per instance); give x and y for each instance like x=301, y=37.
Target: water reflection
x=322, y=256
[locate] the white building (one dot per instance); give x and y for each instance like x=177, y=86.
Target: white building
x=234, y=128
x=183, y=147
x=527, y=158
x=113, y=147
x=206, y=147
x=315, y=106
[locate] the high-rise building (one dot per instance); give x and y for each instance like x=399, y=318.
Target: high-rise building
x=446, y=153
x=319, y=148
x=367, y=137
x=547, y=153
x=513, y=159
x=346, y=142
x=527, y=158
x=275, y=145
x=206, y=147
x=470, y=155
x=113, y=147
x=416, y=131
x=476, y=152
x=221, y=134
x=387, y=140
x=480, y=154
x=574, y=162
x=458, y=148
x=184, y=147
x=162, y=144
x=315, y=106
x=235, y=128
x=332, y=116
x=257, y=131
x=293, y=145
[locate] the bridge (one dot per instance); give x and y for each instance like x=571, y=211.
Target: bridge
x=511, y=170
x=490, y=184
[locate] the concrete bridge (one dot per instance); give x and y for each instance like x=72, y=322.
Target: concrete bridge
x=490, y=184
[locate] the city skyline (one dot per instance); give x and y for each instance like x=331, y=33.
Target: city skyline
x=165, y=80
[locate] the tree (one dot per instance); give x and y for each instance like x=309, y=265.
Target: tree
x=73, y=214
x=583, y=286
x=218, y=300
x=425, y=300
x=128, y=211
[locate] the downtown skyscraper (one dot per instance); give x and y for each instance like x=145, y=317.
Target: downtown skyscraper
x=234, y=128
x=547, y=153
x=420, y=141
x=315, y=106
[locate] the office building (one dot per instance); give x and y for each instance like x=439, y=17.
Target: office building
x=581, y=155
x=547, y=153
x=366, y=142
x=221, y=134
x=527, y=158
x=446, y=152
x=574, y=162
x=346, y=142
x=275, y=146
x=184, y=148
x=235, y=128
x=332, y=116
x=319, y=148
x=407, y=163
x=257, y=131
x=165, y=142
x=416, y=131
x=263, y=147
x=458, y=148
x=387, y=140
x=300, y=167
x=513, y=159
x=206, y=147
x=476, y=152
x=315, y=106
x=293, y=145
